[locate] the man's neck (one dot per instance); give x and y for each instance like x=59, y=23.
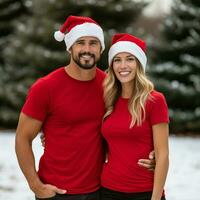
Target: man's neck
x=80, y=74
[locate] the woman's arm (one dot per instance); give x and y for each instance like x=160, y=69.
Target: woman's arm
x=160, y=140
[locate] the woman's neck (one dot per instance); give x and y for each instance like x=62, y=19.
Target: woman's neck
x=127, y=90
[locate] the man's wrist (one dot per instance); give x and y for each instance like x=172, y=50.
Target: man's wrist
x=35, y=184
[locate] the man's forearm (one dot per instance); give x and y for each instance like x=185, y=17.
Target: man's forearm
x=26, y=161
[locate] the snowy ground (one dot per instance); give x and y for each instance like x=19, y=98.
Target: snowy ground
x=183, y=181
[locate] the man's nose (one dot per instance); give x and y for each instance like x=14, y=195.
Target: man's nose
x=87, y=47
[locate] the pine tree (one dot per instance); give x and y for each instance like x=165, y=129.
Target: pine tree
x=33, y=51
x=177, y=68
x=10, y=12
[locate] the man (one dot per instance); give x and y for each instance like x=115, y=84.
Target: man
x=67, y=105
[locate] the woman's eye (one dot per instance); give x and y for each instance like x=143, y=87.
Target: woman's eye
x=131, y=59
x=116, y=60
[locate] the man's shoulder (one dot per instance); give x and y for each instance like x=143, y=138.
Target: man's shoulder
x=54, y=74
x=48, y=79
x=101, y=73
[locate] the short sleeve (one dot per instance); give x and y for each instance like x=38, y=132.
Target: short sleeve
x=37, y=101
x=159, y=109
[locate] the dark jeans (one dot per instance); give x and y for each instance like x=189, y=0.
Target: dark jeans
x=107, y=194
x=89, y=196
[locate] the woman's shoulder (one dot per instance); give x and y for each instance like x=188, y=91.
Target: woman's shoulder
x=157, y=95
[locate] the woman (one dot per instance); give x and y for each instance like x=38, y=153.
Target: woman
x=135, y=123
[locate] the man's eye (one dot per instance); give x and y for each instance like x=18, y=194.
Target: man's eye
x=94, y=43
x=80, y=42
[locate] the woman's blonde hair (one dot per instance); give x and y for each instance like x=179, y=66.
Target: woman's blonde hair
x=141, y=91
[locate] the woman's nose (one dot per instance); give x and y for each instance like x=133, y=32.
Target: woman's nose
x=123, y=64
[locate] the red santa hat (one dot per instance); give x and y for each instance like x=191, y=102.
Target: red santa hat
x=76, y=27
x=124, y=42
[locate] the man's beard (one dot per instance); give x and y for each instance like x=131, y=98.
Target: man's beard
x=85, y=64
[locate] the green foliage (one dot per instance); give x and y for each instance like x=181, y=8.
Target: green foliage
x=32, y=51
x=11, y=11
x=177, y=65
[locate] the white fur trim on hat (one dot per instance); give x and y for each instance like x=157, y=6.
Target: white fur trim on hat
x=85, y=29
x=129, y=47
x=59, y=36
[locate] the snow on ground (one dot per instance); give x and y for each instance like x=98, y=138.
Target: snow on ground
x=183, y=182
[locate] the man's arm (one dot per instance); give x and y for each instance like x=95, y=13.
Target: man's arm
x=148, y=163
x=27, y=130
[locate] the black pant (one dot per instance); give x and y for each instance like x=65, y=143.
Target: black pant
x=107, y=194
x=89, y=196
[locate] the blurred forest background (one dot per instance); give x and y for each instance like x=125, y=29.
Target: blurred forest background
x=29, y=51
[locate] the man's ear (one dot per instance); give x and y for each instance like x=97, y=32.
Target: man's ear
x=69, y=50
x=101, y=50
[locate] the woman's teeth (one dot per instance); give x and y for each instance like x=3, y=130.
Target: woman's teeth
x=124, y=73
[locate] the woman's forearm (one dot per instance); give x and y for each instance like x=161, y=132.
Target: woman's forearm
x=160, y=174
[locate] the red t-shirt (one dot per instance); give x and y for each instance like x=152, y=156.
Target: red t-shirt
x=126, y=146
x=71, y=112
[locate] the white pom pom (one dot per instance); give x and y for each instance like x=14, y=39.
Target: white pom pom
x=59, y=36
